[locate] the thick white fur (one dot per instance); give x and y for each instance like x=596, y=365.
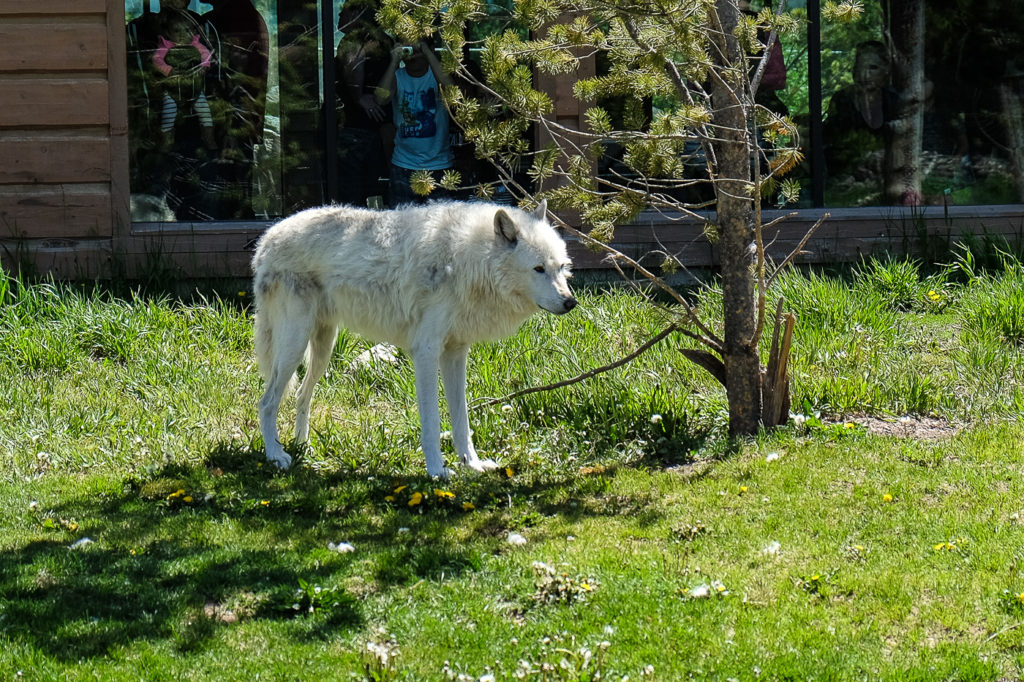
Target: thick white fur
x=430, y=279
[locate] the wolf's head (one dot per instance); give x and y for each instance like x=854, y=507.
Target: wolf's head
x=542, y=265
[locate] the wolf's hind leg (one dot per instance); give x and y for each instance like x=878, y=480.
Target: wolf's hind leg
x=288, y=324
x=320, y=346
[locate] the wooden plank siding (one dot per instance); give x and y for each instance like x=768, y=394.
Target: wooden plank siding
x=56, y=155
x=846, y=236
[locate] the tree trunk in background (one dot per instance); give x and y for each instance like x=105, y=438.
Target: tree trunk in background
x=1013, y=122
x=903, y=153
x=735, y=225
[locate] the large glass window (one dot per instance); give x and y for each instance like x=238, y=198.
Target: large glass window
x=235, y=114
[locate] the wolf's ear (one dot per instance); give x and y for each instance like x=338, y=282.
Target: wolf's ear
x=505, y=228
x=541, y=212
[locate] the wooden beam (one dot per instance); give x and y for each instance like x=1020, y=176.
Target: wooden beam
x=33, y=103
x=32, y=159
x=117, y=79
x=54, y=211
x=50, y=7
x=69, y=47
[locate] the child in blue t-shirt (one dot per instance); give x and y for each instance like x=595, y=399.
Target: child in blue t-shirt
x=420, y=117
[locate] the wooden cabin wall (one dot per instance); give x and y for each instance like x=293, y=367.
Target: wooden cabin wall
x=63, y=135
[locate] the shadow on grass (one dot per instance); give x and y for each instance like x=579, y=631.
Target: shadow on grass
x=183, y=550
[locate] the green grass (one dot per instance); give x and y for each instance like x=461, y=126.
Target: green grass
x=826, y=550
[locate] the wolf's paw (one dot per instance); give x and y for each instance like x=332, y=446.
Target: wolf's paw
x=279, y=458
x=443, y=473
x=482, y=465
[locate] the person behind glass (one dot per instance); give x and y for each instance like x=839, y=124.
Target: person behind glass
x=182, y=57
x=858, y=113
x=420, y=117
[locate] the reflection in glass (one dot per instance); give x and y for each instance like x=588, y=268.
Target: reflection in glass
x=925, y=105
x=223, y=109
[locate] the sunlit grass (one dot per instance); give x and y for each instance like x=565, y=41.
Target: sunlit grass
x=144, y=537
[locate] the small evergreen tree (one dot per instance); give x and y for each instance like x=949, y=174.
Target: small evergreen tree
x=673, y=122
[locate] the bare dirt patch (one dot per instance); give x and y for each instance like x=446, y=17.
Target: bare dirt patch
x=917, y=428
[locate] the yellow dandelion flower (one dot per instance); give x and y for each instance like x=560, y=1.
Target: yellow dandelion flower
x=72, y=526
x=509, y=472
x=815, y=577
x=389, y=498
x=415, y=499
x=859, y=548
x=241, y=293
x=586, y=586
x=1020, y=597
x=399, y=489
x=887, y=497
x=849, y=425
x=743, y=489
x=187, y=498
x=468, y=506
x=265, y=503
x=444, y=494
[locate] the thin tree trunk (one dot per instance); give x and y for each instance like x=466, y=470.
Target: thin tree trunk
x=735, y=224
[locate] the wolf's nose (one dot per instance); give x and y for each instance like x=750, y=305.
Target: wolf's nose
x=570, y=303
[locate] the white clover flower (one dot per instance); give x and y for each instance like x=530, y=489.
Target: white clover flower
x=656, y=418
x=773, y=548
x=341, y=547
x=772, y=456
x=516, y=539
x=702, y=591
x=80, y=543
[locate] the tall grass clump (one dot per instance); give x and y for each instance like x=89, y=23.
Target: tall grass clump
x=992, y=305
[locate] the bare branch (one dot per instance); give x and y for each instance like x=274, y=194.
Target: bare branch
x=799, y=247
x=650, y=343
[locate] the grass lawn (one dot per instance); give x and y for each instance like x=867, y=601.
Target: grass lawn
x=878, y=536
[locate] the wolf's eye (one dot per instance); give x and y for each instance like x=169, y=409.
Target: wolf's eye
x=540, y=269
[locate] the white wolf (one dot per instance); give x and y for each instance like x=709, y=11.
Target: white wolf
x=431, y=279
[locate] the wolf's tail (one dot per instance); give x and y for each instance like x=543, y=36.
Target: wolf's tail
x=263, y=340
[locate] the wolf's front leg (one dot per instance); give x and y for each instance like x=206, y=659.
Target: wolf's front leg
x=425, y=358
x=453, y=371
